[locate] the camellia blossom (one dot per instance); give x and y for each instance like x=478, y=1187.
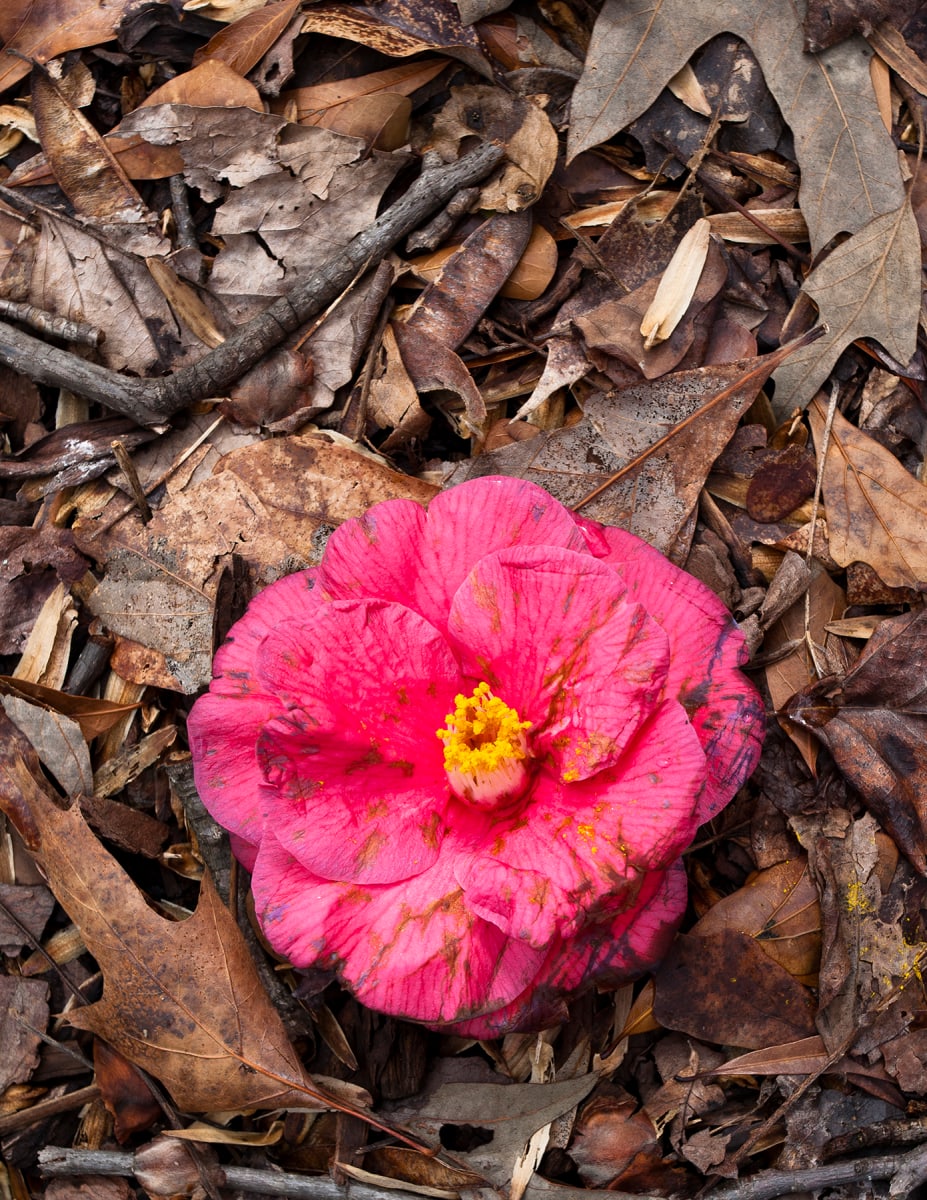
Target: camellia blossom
x=463, y=756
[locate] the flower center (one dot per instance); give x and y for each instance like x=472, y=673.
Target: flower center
x=485, y=748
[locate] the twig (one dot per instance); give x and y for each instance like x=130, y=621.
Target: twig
x=78, y=332
x=59, y=1160
x=151, y=400
x=14, y=1122
x=902, y=1168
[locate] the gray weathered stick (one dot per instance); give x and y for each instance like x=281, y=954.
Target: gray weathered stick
x=151, y=400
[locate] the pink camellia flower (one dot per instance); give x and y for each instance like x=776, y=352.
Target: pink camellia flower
x=464, y=755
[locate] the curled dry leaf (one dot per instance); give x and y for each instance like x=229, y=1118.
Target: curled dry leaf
x=529, y=138
x=529, y=278
x=83, y=165
x=93, y=716
x=400, y=28
x=449, y=308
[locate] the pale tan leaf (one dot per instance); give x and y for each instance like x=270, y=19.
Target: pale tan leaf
x=876, y=511
x=677, y=285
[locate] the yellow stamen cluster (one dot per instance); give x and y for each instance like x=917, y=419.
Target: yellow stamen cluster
x=484, y=747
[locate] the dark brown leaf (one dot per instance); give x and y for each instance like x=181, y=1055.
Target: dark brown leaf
x=125, y=1093
x=722, y=988
x=874, y=723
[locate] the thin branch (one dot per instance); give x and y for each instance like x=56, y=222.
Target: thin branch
x=151, y=400
x=59, y=1160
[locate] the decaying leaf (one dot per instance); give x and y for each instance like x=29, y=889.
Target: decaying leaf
x=526, y=131
x=722, y=988
x=514, y=1112
x=850, y=178
x=640, y=456
x=270, y=504
x=779, y=908
x=83, y=165
x=401, y=28
x=876, y=510
x=182, y=1000
x=874, y=722
x=872, y=948
x=25, y=1010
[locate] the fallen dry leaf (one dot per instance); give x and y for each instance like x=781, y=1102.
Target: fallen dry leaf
x=48, y=28
x=244, y=43
x=81, y=162
x=93, y=716
x=319, y=104
x=401, y=28
x=182, y=1000
x=792, y=667
x=779, y=908
x=871, y=950
x=269, y=504
x=25, y=1009
x=722, y=988
x=876, y=510
x=514, y=1112
x=31, y=906
x=850, y=178
x=874, y=722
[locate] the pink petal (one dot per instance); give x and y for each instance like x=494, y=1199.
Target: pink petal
x=245, y=852
x=356, y=761
x=553, y=633
x=413, y=949
x=596, y=838
x=395, y=552
x=606, y=953
x=223, y=732
x=292, y=598
x=707, y=650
